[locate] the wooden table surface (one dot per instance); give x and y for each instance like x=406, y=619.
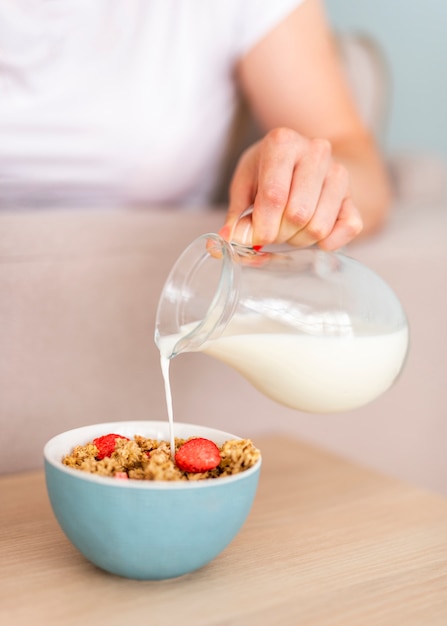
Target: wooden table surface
x=327, y=542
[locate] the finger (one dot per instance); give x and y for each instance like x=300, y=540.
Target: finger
x=305, y=195
x=334, y=190
x=242, y=190
x=281, y=149
x=348, y=225
x=242, y=231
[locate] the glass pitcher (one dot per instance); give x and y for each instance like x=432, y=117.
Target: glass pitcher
x=316, y=331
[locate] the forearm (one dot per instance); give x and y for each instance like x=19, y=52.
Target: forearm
x=369, y=181
x=293, y=79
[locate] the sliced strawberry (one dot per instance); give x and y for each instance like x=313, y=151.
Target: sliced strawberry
x=121, y=475
x=197, y=455
x=106, y=444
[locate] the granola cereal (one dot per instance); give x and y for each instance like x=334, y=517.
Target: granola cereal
x=141, y=458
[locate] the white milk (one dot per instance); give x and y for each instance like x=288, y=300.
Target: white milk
x=164, y=361
x=315, y=374
x=309, y=372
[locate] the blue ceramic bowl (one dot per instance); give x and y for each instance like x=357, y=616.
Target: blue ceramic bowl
x=149, y=530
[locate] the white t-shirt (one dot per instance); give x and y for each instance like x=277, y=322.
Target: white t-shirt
x=120, y=102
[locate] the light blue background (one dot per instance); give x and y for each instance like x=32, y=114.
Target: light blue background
x=413, y=36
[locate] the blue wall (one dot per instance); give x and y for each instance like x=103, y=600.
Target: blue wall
x=413, y=36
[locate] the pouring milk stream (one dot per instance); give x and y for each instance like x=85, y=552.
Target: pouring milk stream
x=316, y=331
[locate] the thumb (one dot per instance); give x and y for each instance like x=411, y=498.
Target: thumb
x=242, y=193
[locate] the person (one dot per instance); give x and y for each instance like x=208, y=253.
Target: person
x=131, y=104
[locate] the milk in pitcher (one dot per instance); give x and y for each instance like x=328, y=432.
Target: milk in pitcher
x=312, y=373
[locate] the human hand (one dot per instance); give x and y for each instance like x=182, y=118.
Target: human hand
x=299, y=193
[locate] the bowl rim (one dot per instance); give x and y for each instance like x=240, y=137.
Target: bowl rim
x=102, y=428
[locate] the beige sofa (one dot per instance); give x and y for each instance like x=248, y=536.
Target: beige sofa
x=78, y=294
